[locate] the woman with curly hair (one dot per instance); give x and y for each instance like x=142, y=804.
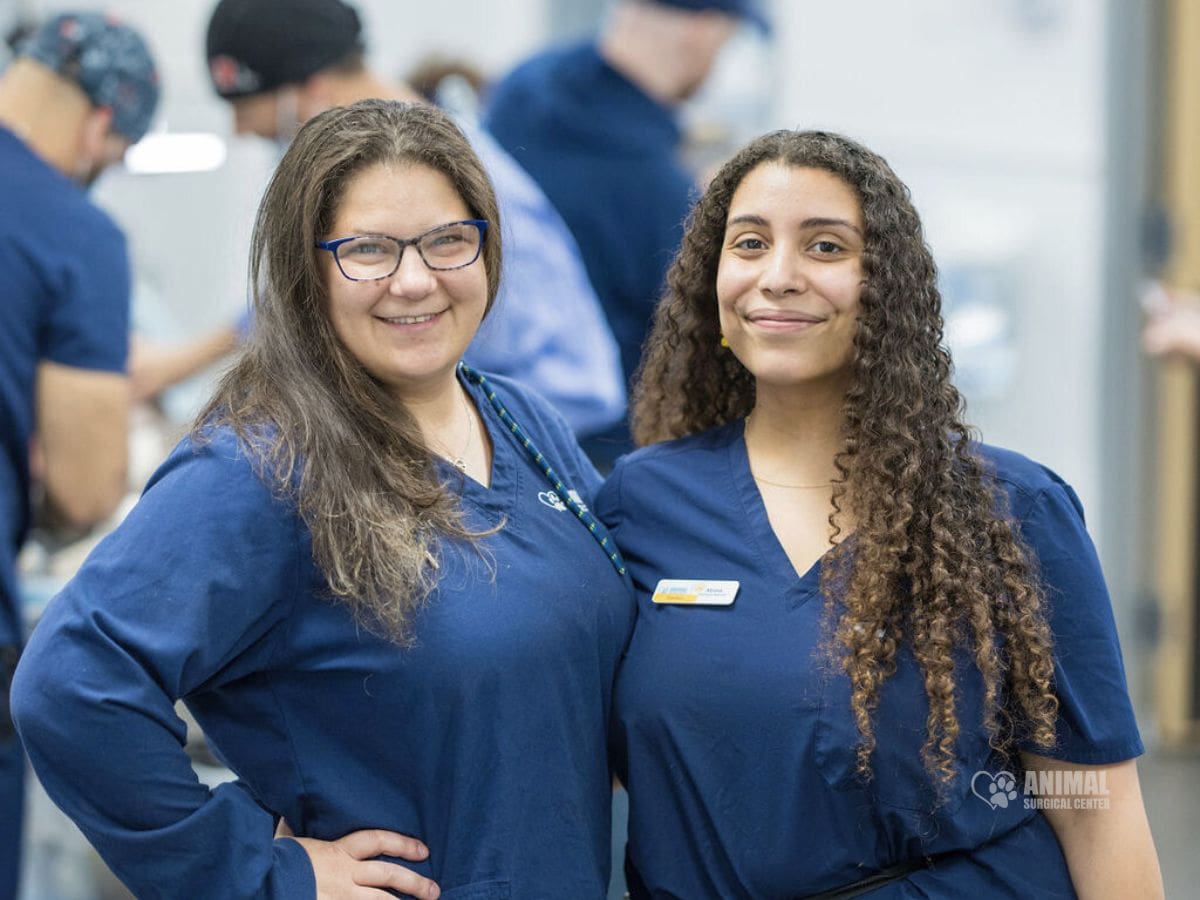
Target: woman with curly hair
x=872, y=654
x=369, y=572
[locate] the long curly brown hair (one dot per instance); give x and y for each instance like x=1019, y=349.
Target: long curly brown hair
x=325, y=432
x=936, y=560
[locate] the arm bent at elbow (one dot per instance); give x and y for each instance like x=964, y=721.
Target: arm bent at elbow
x=1110, y=852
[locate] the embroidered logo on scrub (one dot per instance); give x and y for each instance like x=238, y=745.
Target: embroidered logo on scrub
x=695, y=593
x=552, y=500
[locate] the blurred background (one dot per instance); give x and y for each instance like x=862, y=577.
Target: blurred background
x=1053, y=151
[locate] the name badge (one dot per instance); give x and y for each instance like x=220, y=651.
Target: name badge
x=695, y=593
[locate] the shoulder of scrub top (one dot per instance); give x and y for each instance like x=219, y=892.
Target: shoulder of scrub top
x=547, y=428
x=1024, y=480
x=688, y=459
x=239, y=460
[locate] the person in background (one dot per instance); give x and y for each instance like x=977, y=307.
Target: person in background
x=595, y=124
x=279, y=62
x=80, y=90
x=456, y=85
x=861, y=632
x=369, y=572
x=1172, y=322
x=156, y=366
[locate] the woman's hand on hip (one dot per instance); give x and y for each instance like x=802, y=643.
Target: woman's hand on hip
x=346, y=869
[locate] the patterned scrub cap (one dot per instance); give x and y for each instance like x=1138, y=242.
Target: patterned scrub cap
x=107, y=59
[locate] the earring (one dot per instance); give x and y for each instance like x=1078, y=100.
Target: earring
x=724, y=340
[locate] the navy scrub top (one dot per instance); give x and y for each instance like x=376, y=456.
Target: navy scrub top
x=64, y=299
x=735, y=739
x=486, y=739
x=607, y=154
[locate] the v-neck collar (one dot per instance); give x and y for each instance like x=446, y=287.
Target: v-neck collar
x=801, y=587
x=498, y=497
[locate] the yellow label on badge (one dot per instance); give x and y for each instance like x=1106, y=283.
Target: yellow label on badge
x=695, y=593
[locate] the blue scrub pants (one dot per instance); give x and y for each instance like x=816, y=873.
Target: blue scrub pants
x=12, y=809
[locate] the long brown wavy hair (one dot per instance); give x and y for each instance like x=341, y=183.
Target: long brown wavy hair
x=936, y=560
x=323, y=430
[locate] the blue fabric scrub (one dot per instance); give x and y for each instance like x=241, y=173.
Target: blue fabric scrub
x=65, y=299
x=608, y=157
x=486, y=739
x=737, y=744
x=547, y=329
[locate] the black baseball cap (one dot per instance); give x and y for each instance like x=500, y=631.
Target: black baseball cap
x=255, y=46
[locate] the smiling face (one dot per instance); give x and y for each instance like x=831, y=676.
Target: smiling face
x=790, y=275
x=408, y=330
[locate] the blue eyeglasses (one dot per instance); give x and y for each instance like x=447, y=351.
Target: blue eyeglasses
x=377, y=256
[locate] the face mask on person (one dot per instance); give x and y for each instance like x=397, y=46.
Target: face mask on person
x=86, y=174
x=287, y=120
x=97, y=155
x=272, y=116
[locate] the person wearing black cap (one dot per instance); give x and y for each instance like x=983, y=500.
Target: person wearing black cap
x=279, y=62
x=594, y=123
x=81, y=89
x=263, y=56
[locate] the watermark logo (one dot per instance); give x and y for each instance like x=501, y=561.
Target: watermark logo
x=552, y=500
x=997, y=791
x=1050, y=789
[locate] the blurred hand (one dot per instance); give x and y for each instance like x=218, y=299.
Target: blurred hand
x=1173, y=323
x=151, y=367
x=345, y=869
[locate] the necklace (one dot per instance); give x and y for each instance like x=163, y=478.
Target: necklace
x=823, y=484
x=460, y=461
x=780, y=484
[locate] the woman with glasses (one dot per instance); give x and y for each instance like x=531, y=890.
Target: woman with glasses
x=369, y=572
x=860, y=631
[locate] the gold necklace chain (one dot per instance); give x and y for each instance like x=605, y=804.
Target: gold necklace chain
x=780, y=484
x=823, y=484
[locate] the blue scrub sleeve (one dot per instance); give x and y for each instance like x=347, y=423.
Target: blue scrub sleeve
x=183, y=597
x=547, y=328
x=608, y=499
x=244, y=325
x=87, y=321
x=1096, y=724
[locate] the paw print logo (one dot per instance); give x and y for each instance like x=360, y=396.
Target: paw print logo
x=1001, y=788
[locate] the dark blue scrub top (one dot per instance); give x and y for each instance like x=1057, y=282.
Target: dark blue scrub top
x=608, y=157
x=64, y=299
x=737, y=745
x=487, y=739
